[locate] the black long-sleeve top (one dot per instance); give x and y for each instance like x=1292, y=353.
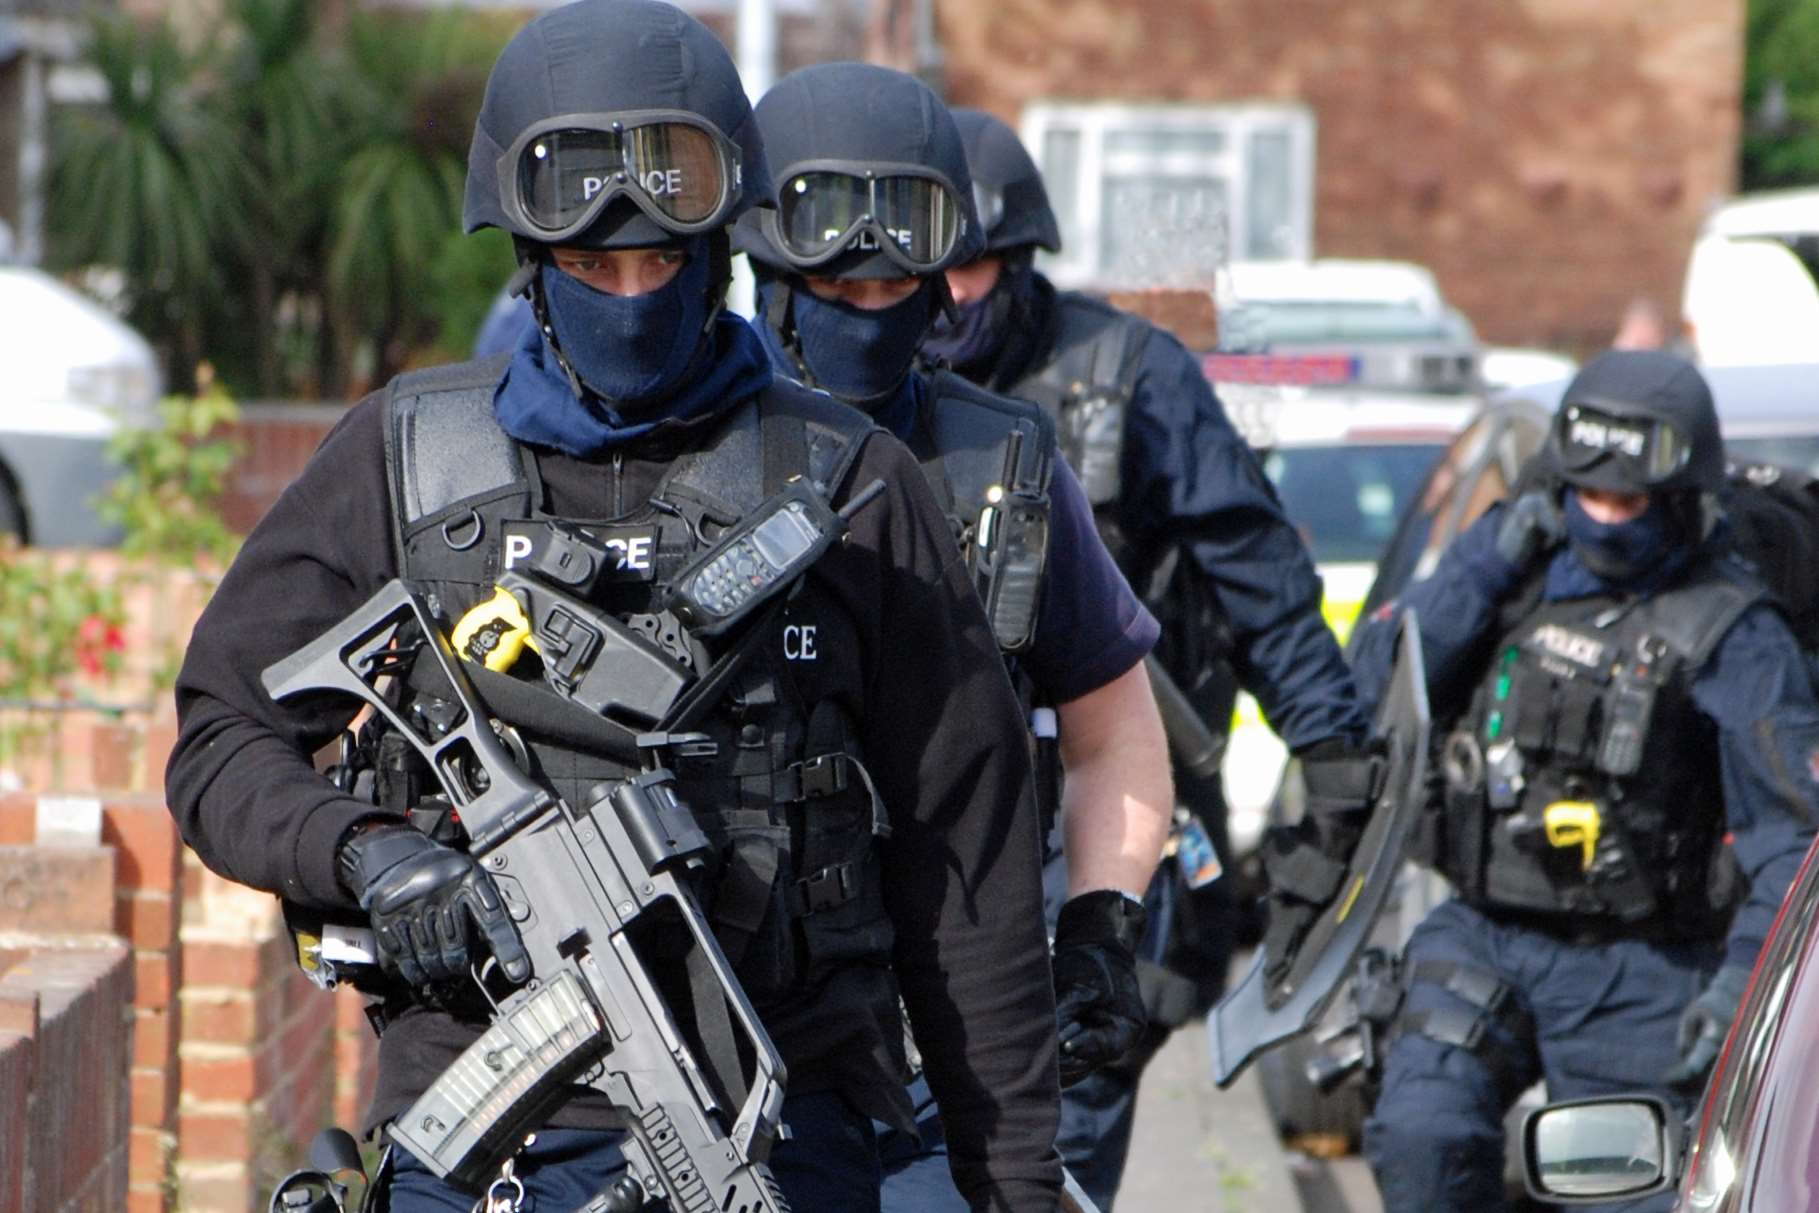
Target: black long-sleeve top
x=941, y=732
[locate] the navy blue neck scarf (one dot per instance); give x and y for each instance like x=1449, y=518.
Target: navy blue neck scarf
x=899, y=413
x=534, y=404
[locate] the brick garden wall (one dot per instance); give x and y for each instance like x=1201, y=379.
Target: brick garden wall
x=275, y=441
x=65, y=1036
x=229, y=1060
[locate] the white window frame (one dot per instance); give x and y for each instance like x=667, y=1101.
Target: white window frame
x=1081, y=261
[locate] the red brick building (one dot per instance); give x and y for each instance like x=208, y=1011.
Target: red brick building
x=1548, y=159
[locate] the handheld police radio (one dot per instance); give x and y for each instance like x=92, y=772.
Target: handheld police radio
x=1631, y=705
x=1010, y=547
x=763, y=554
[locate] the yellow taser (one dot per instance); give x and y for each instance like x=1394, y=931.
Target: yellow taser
x=1573, y=823
x=494, y=633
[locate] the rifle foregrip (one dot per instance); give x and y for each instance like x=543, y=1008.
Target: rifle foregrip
x=733, y=1188
x=505, y=1084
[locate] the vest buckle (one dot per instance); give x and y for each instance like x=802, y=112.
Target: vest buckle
x=823, y=775
x=827, y=889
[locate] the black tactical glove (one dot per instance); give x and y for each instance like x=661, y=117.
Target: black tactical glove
x=426, y=901
x=1097, y=1001
x=1531, y=525
x=1704, y=1025
x=1306, y=862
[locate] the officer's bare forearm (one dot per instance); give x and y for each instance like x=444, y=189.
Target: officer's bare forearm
x=1119, y=797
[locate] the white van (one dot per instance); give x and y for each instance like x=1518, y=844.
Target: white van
x=74, y=375
x=1752, y=284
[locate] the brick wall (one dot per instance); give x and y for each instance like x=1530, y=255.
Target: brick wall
x=1547, y=159
x=257, y=1049
x=65, y=1042
x=139, y=906
x=275, y=441
x=236, y=1061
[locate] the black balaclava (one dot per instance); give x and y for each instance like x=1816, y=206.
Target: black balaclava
x=632, y=351
x=1620, y=552
x=970, y=338
x=861, y=356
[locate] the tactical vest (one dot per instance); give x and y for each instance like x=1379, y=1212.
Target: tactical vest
x=1583, y=782
x=783, y=793
x=988, y=460
x=1086, y=386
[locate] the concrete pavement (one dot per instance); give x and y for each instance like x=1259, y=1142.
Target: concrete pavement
x=1197, y=1149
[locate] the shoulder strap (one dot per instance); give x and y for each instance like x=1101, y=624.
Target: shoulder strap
x=787, y=431
x=972, y=431
x=1096, y=347
x=1693, y=617
x=442, y=444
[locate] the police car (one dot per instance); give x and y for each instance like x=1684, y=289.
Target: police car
x=1386, y=320
x=74, y=375
x=1348, y=377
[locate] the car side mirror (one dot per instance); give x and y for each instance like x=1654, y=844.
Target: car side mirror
x=1587, y=1151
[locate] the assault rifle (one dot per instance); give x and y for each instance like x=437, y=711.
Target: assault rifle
x=601, y=897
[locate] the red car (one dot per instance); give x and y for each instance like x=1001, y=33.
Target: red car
x=1755, y=1148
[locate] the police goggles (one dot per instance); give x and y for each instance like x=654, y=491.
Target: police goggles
x=560, y=175
x=1651, y=450
x=911, y=214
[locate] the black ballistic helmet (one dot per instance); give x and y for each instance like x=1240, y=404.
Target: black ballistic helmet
x=1638, y=421
x=636, y=86
x=871, y=178
x=1007, y=186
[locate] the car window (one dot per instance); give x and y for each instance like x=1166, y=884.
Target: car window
x=1799, y=452
x=1345, y=500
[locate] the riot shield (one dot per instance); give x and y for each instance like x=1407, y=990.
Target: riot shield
x=1255, y=1015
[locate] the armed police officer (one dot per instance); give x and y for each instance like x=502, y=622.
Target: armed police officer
x=1196, y=527
x=864, y=771
x=874, y=202
x=1629, y=785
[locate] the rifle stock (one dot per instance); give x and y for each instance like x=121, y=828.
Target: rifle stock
x=587, y=889
x=1196, y=747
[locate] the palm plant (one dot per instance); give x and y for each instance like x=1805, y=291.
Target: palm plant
x=285, y=200
x=281, y=90
x=410, y=106
x=151, y=182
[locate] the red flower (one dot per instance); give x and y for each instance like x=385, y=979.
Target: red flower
x=96, y=637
